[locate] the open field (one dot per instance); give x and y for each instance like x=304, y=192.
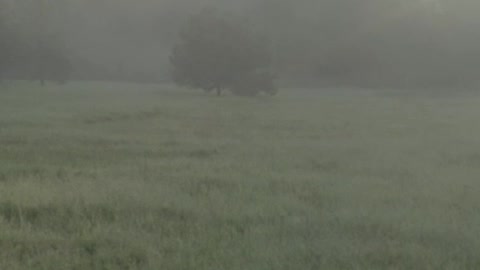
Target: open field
x=123, y=176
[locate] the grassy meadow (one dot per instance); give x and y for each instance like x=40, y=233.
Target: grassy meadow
x=125, y=176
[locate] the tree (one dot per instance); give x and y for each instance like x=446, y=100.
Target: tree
x=48, y=56
x=47, y=61
x=40, y=51
x=2, y=47
x=216, y=54
x=5, y=42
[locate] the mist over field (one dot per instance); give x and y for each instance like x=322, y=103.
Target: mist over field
x=412, y=43
x=234, y=135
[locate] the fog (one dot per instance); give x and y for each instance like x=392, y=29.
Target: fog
x=387, y=43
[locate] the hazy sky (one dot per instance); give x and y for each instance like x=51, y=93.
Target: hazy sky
x=394, y=40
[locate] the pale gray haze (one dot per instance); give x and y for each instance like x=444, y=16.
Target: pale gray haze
x=407, y=43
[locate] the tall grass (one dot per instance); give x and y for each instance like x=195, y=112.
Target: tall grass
x=119, y=176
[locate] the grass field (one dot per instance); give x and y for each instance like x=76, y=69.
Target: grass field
x=124, y=176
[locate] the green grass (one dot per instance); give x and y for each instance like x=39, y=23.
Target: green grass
x=124, y=176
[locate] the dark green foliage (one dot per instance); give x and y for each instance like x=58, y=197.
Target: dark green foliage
x=42, y=59
x=49, y=62
x=33, y=52
x=215, y=54
x=5, y=46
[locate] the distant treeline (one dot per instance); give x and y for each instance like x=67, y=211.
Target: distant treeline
x=408, y=43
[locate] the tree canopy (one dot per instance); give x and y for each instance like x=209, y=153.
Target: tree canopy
x=5, y=45
x=215, y=54
x=29, y=47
